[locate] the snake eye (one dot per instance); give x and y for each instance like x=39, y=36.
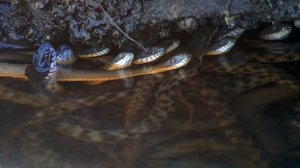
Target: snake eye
x=173, y=60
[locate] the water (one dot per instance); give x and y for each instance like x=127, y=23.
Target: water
x=150, y=124
x=210, y=120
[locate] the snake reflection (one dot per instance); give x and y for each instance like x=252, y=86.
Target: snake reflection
x=169, y=86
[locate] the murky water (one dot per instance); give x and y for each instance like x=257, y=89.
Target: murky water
x=152, y=121
x=175, y=119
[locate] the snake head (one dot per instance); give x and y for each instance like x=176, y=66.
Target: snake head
x=178, y=60
x=65, y=55
x=43, y=70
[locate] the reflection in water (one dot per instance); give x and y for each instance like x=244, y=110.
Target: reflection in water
x=233, y=110
x=209, y=120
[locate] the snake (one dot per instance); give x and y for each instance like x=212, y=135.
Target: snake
x=37, y=150
x=122, y=60
x=150, y=55
x=67, y=75
x=21, y=97
x=154, y=53
x=224, y=40
x=276, y=31
x=174, y=62
x=44, y=67
x=151, y=123
x=82, y=53
x=164, y=103
x=24, y=53
x=226, y=37
x=241, y=62
x=225, y=43
x=93, y=52
x=244, y=60
x=207, y=92
x=65, y=53
x=138, y=100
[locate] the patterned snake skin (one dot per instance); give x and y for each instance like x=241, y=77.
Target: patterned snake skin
x=206, y=91
x=237, y=71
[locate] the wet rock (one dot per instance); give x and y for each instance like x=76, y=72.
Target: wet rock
x=84, y=23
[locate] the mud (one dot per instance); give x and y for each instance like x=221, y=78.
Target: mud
x=84, y=23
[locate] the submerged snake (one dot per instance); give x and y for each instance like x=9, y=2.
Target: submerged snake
x=206, y=91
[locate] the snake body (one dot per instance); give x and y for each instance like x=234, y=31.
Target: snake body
x=276, y=32
x=172, y=63
x=235, y=62
x=207, y=91
x=229, y=64
x=208, y=94
x=136, y=103
x=43, y=70
x=35, y=146
x=92, y=52
x=151, y=55
x=65, y=56
x=82, y=53
x=122, y=60
x=223, y=46
x=154, y=120
x=224, y=40
x=226, y=31
x=65, y=75
x=171, y=45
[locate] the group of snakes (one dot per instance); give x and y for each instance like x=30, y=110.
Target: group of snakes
x=223, y=70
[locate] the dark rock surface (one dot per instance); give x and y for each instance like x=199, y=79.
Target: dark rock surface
x=84, y=23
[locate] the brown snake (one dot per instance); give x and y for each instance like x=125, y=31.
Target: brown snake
x=66, y=75
x=205, y=90
x=158, y=114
